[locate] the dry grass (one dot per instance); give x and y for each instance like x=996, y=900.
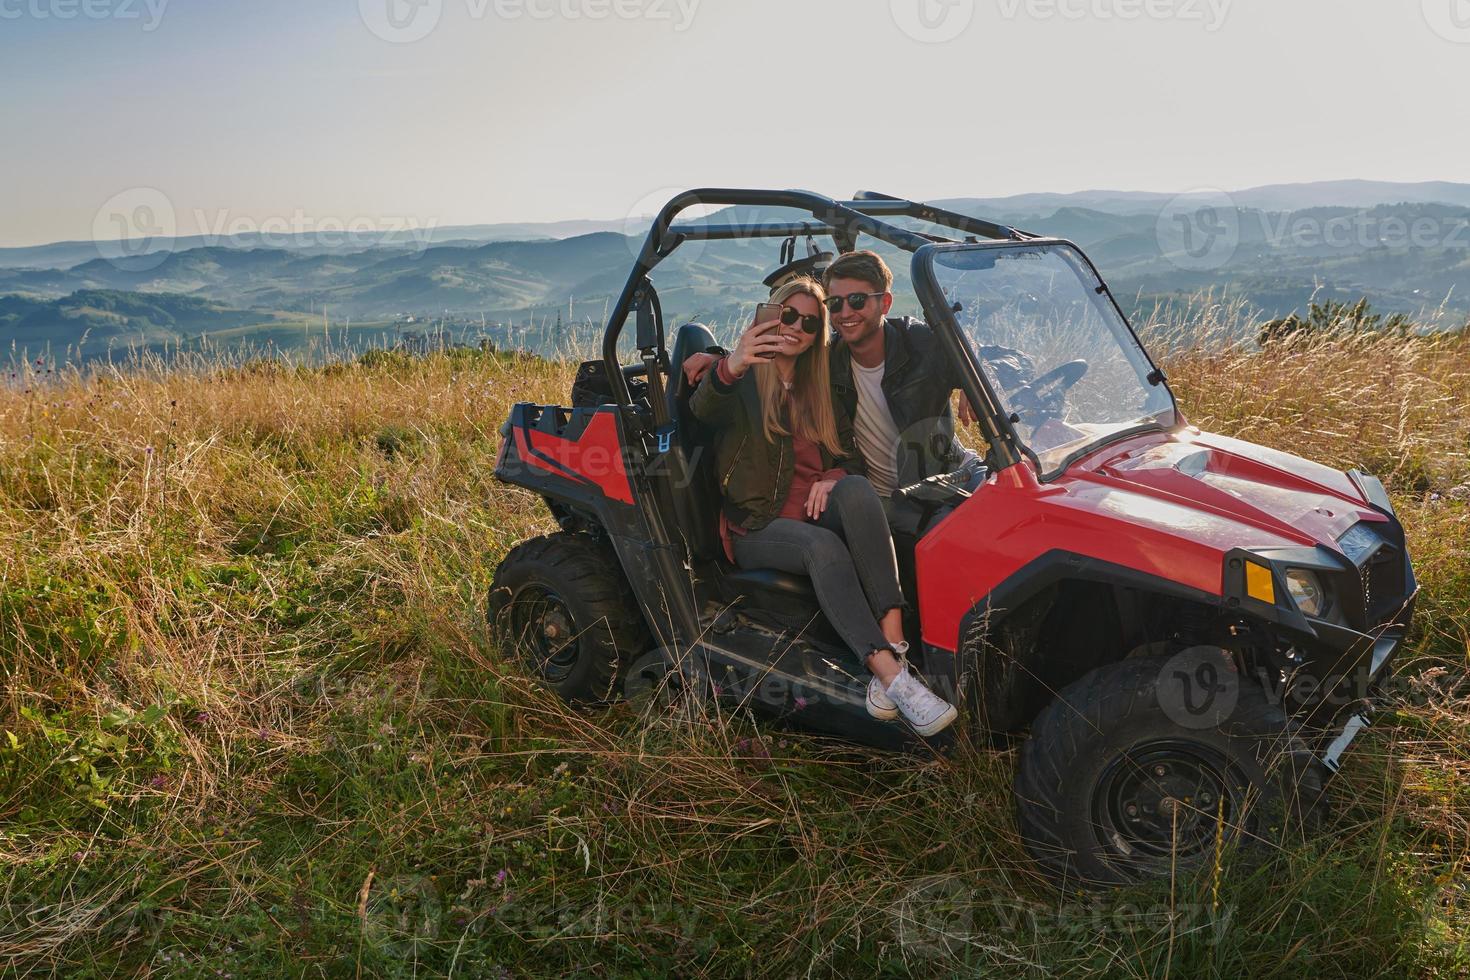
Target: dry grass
x=259, y=727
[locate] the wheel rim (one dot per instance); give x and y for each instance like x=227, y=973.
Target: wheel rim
x=544, y=631
x=1163, y=800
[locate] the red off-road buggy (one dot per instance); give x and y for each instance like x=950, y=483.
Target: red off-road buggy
x=1189, y=627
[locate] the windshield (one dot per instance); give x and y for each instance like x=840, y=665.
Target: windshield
x=1054, y=350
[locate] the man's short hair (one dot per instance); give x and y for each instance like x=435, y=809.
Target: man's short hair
x=865, y=265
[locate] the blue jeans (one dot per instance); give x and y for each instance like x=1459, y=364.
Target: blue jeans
x=847, y=553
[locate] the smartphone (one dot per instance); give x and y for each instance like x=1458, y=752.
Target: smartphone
x=764, y=313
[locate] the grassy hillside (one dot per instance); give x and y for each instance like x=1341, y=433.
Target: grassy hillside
x=253, y=725
x=93, y=324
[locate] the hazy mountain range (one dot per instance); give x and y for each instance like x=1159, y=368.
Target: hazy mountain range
x=1406, y=247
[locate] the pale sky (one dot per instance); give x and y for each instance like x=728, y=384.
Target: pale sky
x=534, y=110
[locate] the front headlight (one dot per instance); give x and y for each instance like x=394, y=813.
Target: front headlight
x=1306, y=591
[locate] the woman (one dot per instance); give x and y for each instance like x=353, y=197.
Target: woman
x=793, y=493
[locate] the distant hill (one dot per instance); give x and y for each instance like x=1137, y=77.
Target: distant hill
x=90, y=323
x=1409, y=256
x=1270, y=197
x=65, y=255
x=501, y=279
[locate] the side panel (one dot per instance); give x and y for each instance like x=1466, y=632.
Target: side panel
x=593, y=458
x=578, y=458
x=1012, y=521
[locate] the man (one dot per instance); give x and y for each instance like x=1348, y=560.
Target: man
x=894, y=380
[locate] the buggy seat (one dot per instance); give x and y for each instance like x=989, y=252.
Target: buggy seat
x=695, y=490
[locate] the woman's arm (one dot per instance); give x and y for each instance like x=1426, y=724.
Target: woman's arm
x=714, y=401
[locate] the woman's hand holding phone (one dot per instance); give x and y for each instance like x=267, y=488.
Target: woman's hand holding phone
x=761, y=341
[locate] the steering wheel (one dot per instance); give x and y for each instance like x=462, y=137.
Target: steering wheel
x=1045, y=396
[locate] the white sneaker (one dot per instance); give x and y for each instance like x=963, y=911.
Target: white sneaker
x=880, y=705
x=925, y=710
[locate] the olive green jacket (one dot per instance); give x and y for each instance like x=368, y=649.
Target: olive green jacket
x=755, y=473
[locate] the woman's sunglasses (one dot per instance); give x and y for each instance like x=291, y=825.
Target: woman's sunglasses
x=810, y=322
x=855, y=300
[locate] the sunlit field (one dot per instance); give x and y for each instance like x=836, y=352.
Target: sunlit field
x=254, y=723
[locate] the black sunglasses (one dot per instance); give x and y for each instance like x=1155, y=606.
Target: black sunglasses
x=810, y=322
x=855, y=300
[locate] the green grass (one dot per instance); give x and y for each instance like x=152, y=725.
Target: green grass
x=253, y=723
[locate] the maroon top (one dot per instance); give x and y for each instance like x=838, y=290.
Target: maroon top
x=808, y=473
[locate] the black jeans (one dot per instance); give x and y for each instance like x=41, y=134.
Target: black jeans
x=847, y=553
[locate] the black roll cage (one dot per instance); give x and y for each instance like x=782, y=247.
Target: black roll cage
x=843, y=221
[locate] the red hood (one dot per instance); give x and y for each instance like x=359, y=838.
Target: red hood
x=1167, y=506
x=1218, y=491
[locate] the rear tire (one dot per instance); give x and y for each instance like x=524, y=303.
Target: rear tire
x=1112, y=788
x=563, y=606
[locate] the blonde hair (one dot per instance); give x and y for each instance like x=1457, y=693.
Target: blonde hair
x=810, y=399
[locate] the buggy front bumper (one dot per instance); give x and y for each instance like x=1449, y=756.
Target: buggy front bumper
x=1360, y=716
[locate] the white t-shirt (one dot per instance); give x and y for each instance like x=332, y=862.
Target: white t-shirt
x=874, y=429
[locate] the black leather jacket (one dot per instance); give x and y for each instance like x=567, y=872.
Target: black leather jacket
x=918, y=377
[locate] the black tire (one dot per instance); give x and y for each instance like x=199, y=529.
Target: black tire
x=562, y=604
x=1111, y=787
